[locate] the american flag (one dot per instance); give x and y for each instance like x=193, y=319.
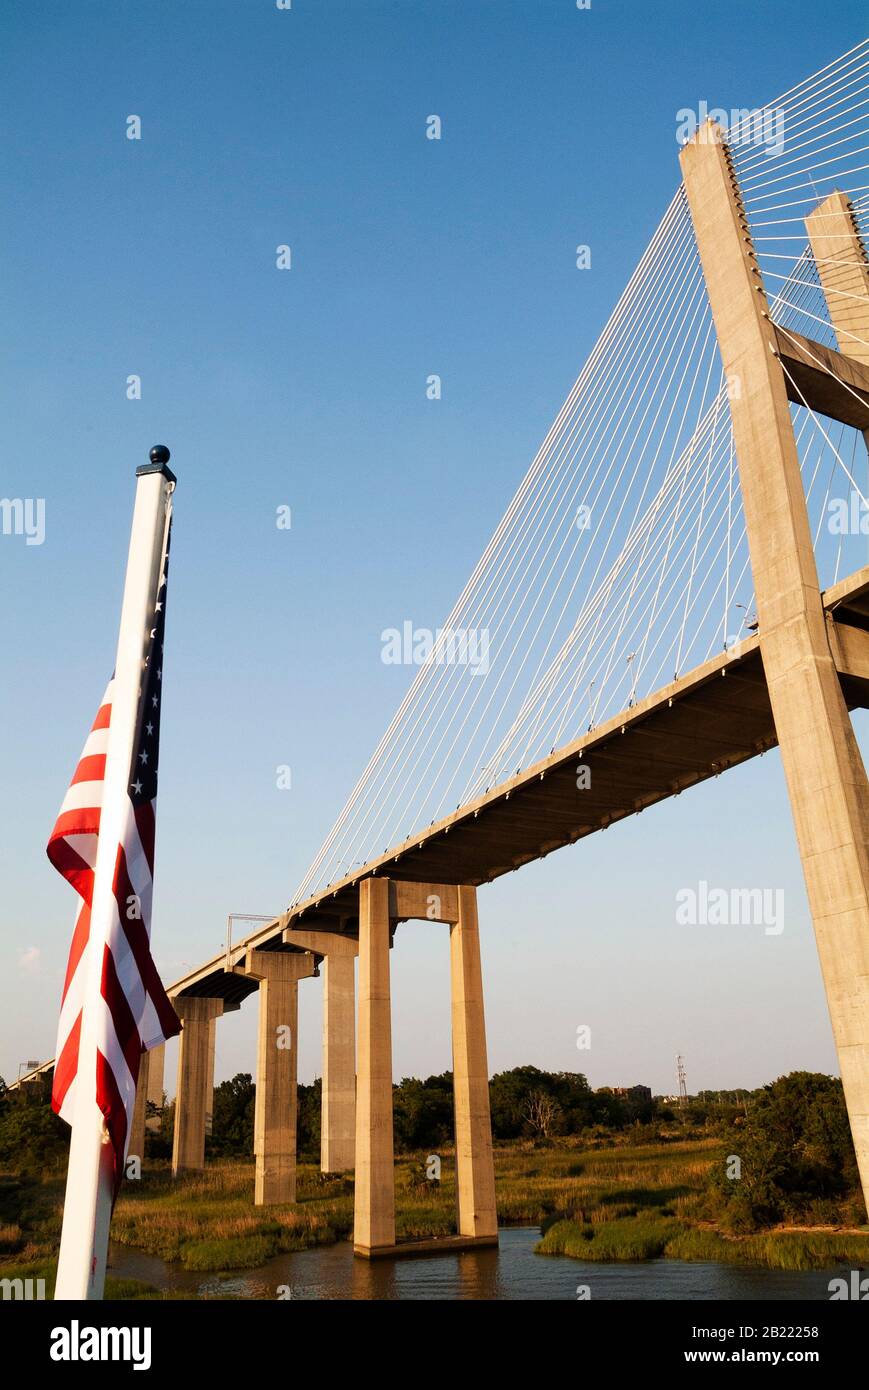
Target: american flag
x=135, y=1012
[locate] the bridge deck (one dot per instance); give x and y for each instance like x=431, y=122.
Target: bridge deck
x=709, y=720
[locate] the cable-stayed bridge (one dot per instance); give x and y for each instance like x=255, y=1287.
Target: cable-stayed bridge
x=622, y=566
x=680, y=582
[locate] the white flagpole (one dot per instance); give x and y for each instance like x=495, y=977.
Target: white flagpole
x=87, y=1207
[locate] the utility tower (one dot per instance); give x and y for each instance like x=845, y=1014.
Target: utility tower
x=683, y=1084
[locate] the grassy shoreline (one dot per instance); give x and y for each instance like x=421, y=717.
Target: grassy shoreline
x=614, y=1203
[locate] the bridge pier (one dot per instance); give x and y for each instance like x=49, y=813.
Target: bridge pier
x=156, y=1064
x=209, y=1082
x=338, y=1122
x=278, y=973
x=826, y=778
x=475, y=1169
x=136, y=1145
x=338, y=1103
x=195, y=1067
x=149, y=1089
x=374, y=1199
x=382, y=903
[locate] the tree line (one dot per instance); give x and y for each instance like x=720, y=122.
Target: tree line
x=786, y=1148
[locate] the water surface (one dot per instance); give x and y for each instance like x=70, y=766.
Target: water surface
x=511, y=1272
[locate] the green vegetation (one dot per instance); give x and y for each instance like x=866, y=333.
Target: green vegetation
x=606, y=1176
x=650, y=1237
x=790, y=1159
x=207, y=1221
x=787, y=1159
x=642, y=1237
x=32, y=1138
x=525, y=1103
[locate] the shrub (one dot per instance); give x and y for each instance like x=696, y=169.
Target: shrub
x=795, y=1152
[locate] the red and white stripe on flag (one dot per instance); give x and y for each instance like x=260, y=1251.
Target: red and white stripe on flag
x=135, y=1011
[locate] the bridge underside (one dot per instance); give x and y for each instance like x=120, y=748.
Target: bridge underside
x=710, y=720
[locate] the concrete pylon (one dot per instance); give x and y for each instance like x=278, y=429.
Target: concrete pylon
x=277, y=1070
x=338, y=1103
x=195, y=1067
x=374, y=1215
x=475, y=1169
x=826, y=779
x=843, y=272
x=136, y=1146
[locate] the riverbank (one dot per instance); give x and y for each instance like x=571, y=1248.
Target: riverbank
x=605, y=1204
x=655, y=1235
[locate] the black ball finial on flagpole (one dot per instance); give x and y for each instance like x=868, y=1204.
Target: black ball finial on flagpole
x=159, y=457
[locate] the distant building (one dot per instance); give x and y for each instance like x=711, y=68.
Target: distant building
x=638, y=1093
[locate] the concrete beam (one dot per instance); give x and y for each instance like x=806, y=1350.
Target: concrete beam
x=850, y=648
x=433, y=902
x=828, y=382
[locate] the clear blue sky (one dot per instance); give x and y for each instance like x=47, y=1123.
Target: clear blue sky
x=157, y=258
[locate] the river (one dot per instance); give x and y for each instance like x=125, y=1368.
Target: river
x=511, y=1272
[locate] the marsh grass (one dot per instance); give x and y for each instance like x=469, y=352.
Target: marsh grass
x=613, y=1202
x=207, y=1222
x=650, y=1237
x=774, y=1249
x=633, y=1238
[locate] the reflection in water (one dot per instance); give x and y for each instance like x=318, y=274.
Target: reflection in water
x=465, y=1274
x=511, y=1272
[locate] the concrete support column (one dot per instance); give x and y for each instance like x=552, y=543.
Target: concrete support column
x=209, y=1085
x=338, y=1119
x=136, y=1146
x=156, y=1063
x=475, y=1168
x=338, y=1102
x=277, y=1070
x=374, y=1220
x=195, y=1066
